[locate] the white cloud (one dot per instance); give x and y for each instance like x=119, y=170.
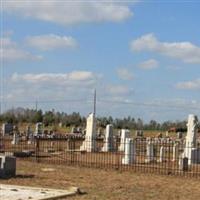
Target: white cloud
x=51, y=42
x=81, y=78
x=54, y=88
x=125, y=74
x=118, y=90
x=189, y=85
x=68, y=13
x=184, y=51
x=11, y=51
x=149, y=64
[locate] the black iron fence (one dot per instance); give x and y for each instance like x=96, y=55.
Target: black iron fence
x=145, y=155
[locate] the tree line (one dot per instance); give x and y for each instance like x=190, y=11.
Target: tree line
x=21, y=115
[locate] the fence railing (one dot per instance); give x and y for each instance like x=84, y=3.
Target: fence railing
x=152, y=156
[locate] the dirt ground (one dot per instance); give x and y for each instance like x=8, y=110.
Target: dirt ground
x=101, y=184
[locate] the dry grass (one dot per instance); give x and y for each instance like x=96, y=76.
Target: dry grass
x=101, y=184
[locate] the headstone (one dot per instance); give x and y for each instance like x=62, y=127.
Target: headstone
x=167, y=133
x=7, y=128
x=150, y=152
x=191, y=137
x=119, y=133
x=79, y=130
x=125, y=133
x=129, y=157
x=38, y=129
x=31, y=138
x=73, y=130
x=139, y=133
x=183, y=163
x=89, y=142
x=159, y=135
x=99, y=131
x=162, y=154
x=175, y=152
x=195, y=157
x=7, y=166
x=28, y=132
x=108, y=143
x=179, y=135
x=15, y=140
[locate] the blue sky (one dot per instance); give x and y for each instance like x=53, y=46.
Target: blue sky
x=142, y=57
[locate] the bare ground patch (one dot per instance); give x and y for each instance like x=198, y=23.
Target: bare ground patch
x=102, y=184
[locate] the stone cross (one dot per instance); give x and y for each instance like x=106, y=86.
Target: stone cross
x=192, y=130
x=190, y=142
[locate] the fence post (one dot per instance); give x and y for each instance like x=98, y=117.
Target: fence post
x=37, y=149
x=118, y=154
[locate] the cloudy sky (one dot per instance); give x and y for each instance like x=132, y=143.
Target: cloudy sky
x=143, y=57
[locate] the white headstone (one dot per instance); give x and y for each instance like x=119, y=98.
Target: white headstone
x=28, y=131
x=179, y=135
x=38, y=129
x=162, y=154
x=108, y=143
x=129, y=157
x=89, y=142
x=192, y=130
x=175, y=155
x=139, y=133
x=167, y=134
x=15, y=139
x=150, y=152
x=30, y=138
x=190, y=142
x=125, y=133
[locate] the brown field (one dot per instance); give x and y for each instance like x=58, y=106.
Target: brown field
x=107, y=184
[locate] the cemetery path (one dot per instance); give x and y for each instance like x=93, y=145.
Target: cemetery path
x=100, y=184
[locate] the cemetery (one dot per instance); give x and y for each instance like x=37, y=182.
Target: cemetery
x=36, y=162
x=179, y=155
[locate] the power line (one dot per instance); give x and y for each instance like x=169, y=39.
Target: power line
x=150, y=104
x=48, y=101
x=113, y=102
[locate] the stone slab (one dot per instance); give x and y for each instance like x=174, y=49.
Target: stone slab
x=13, y=192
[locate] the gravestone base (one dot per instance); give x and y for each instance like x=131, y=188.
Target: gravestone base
x=88, y=146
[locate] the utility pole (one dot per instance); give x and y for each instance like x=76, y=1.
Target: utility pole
x=1, y=61
x=95, y=102
x=36, y=105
